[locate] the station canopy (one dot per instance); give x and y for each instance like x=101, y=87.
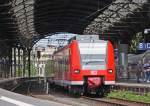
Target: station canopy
x=25, y=21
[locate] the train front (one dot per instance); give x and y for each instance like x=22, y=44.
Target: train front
x=97, y=66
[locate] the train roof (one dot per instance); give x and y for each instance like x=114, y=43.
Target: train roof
x=82, y=41
x=92, y=41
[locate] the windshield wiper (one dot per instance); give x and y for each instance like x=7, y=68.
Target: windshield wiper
x=92, y=62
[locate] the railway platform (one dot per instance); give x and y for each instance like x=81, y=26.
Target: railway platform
x=139, y=88
x=8, y=98
x=140, y=85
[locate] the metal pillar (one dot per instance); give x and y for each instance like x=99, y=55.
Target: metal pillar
x=19, y=65
x=10, y=61
x=0, y=67
x=24, y=62
x=29, y=62
x=123, y=57
x=7, y=65
x=15, y=68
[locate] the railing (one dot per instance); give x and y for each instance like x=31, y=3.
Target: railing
x=131, y=74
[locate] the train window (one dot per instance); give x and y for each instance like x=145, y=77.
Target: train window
x=94, y=57
x=93, y=61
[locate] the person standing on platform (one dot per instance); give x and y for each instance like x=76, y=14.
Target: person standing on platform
x=146, y=70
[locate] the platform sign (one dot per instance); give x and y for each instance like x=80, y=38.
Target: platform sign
x=116, y=53
x=144, y=46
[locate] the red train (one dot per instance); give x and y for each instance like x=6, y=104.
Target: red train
x=85, y=67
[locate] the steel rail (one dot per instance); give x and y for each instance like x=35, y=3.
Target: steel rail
x=100, y=100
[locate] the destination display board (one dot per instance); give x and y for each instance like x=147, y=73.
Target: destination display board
x=144, y=46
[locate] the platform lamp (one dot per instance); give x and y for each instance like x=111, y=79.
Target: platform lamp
x=146, y=31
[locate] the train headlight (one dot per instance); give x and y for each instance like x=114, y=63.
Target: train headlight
x=110, y=71
x=77, y=71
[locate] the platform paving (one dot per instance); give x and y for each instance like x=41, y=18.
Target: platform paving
x=8, y=98
x=146, y=85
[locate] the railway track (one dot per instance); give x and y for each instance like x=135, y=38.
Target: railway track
x=114, y=102
x=138, y=103
x=103, y=101
x=87, y=101
x=65, y=98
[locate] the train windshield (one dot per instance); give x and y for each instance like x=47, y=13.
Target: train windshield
x=93, y=61
x=93, y=55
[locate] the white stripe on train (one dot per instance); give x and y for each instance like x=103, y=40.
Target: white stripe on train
x=65, y=82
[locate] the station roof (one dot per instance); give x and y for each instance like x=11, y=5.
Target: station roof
x=27, y=20
x=122, y=19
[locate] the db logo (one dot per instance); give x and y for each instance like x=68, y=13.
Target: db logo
x=94, y=72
